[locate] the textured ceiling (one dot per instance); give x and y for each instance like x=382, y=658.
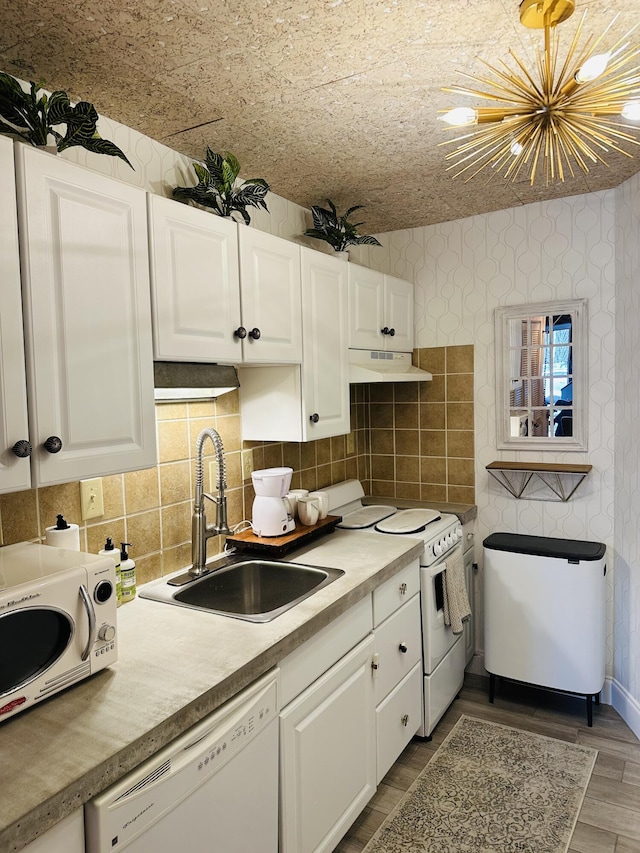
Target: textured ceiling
x=322, y=98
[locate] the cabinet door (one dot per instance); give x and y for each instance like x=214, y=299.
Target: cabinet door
x=67, y=836
x=15, y=473
x=85, y=261
x=327, y=755
x=325, y=377
x=398, y=314
x=366, y=308
x=398, y=648
x=398, y=718
x=195, y=283
x=270, y=298
x=469, y=625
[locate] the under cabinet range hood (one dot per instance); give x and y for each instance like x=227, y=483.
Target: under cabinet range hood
x=190, y=380
x=377, y=366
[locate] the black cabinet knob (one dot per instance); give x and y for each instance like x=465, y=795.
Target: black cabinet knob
x=255, y=334
x=385, y=331
x=22, y=448
x=392, y=332
x=314, y=418
x=403, y=648
x=53, y=444
x=240, y=332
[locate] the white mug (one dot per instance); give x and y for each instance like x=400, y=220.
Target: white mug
x=308, y=510
x=323, y=502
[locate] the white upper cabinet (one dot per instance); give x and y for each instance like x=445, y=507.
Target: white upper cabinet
x=270, y=297
x=309, y=401
x=15, y=471
x=380, y=311
x=87, y=314
x=325, y=367
x=195, y=283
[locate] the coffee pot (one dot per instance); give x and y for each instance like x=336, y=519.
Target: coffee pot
x=270, y=514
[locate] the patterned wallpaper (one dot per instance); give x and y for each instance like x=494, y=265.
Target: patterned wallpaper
x=463, y=270
x=627, y=449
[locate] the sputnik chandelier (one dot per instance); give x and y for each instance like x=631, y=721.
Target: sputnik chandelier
x=578, y=109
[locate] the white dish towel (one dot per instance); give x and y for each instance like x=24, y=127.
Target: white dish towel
x=456, y=600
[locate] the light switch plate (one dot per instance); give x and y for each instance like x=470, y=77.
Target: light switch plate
x=91, y=498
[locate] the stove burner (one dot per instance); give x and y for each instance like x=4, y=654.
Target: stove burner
x=366, y=516
x=408, y=521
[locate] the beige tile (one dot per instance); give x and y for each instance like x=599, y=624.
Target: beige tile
x=432, y=416
x=173, y=441
x=323, y=451
x=383, y=488
x=64, y=499
x=148, y=568
x=406, y=392
x=176, y=524
x=382, y=467
x=351, y=468
x=171, y=411
x=408, y=469
x=431, y=492
x=235, y=507
x=175, y=482
x=432, y=359
x=381, y=415
x=460, y=387
x=382, y=441
x=228, y=404
x=338, y=448
x=380, y=393
x=143, y=533
x=433, y=442
x=273, y=455
x=461, y=494
x=195, y=427
x=460, y=359
x=407, y=442
x=291, y=455
x=308, y=454
x=434, y=391
x=202, y=409
x=230, y=432
x=460, y=472
x=315, y=478
x=175, y=558
x=433, y=469
x=113, y=495
x=408, y=491
x=97, y=534
x=233, y=465
x=460, y=416
x=338, y=472
x=19, y=514
x=141, y=490
x=460, y=443
x=406, y=415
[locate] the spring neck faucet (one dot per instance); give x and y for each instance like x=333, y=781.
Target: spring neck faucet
x=200, y=530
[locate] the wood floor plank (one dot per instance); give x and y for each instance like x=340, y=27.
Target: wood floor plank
x=612, y=791
x=631, y=773
x=612, y=767
x=613, y=818
x=627, y=845
x=589, y=839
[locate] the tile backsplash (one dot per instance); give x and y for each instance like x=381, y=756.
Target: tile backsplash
x=408, y=440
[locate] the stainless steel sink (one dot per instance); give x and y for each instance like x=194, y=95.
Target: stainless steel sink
x=245, y=588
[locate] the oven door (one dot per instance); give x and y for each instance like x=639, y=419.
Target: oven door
x=437, y=638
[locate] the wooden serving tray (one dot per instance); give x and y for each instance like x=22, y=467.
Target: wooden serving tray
x=278, y=545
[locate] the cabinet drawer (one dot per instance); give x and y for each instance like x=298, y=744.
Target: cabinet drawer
x=400, y=631
x=301, y=668
x=397, y=720
x=395, y=592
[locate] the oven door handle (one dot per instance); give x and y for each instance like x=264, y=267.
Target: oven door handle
x=91, y=616
x=438, y=567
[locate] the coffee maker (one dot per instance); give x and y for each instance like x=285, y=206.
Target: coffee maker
x=270, y=512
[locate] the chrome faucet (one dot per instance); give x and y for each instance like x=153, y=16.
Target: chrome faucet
x=200, y=530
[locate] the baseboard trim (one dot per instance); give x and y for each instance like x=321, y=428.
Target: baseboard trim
x=626, y=705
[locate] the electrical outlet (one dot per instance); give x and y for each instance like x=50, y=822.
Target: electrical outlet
x=351, y=443
x=247, y=464
x=91, y=498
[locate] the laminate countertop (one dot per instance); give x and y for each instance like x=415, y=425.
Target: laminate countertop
x=175, y=665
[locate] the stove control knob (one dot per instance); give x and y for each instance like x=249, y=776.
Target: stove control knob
x=459, y=532
x=437, y=549
x=454, y=536
x=449, y=541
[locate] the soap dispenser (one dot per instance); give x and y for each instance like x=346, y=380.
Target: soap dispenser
x=110, y=550
x=127, y=573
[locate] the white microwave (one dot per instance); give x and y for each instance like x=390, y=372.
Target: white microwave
x=57, y=621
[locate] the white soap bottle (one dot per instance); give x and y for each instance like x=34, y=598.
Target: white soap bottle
x=127, y=573
x=110, y=550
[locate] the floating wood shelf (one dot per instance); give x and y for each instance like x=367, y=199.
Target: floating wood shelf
x=539, y=481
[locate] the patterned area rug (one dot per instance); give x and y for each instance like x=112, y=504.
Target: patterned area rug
x=491, y=789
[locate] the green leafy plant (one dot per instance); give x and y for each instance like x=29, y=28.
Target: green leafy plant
x=336, y=230
x=34, y=115
x=217, y=187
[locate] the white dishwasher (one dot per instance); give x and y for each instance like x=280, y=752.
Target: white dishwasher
x=214, y=788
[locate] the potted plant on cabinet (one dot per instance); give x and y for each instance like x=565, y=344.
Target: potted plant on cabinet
x=336, y=230
x=33, y=116
x=217, y=188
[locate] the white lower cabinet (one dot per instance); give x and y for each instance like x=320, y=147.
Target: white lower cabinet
x=327, y=751
x=67, y=836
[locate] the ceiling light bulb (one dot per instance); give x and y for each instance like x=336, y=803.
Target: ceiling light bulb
x=631, y=110
x=460, y=116
x=516, y=148
x=592, y=68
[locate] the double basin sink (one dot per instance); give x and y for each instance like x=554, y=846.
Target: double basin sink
x=242, y=587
